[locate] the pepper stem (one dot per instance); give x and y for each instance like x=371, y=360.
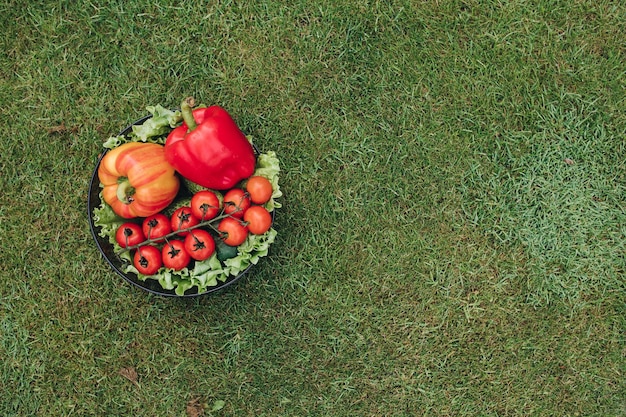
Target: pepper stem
x=125, y=192
x=186, y=109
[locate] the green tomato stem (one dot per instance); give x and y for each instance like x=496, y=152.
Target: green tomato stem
x=207, y=223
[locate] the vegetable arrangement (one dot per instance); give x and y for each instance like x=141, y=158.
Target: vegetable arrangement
x=185, y=200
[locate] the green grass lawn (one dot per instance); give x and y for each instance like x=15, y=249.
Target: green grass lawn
x=451, y=241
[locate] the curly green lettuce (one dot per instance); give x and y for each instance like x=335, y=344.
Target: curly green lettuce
x=160, y=124
x=105, y=218
x=155, y=129
x=249, y=252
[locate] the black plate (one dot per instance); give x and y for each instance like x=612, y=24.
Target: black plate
x=106, y=248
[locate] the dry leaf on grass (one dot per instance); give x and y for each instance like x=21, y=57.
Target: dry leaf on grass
x=61, y=129
x=195, y=408
x=130, y=373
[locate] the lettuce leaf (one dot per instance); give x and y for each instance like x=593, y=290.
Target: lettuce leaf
x=105, y=218
x=153, y=129
x=250, y=251
x=161, y=123
x=114, y=141
x=207, y=273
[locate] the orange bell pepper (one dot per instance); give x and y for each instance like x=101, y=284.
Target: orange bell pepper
x=138, y=181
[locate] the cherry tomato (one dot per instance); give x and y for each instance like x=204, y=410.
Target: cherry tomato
x=236, y=202
x=182, y=218
x=205, y=205
x=147, y=260
x=156, y=226
x=129, y=234
x=234, y=231
x=199, y=244
x=174, y=255
x=259, y=219
x=259, y=189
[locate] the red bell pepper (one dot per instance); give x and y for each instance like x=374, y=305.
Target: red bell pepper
x=209, y=149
